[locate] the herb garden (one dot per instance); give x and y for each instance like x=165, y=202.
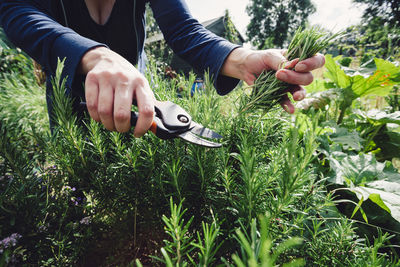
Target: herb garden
x=317, y=188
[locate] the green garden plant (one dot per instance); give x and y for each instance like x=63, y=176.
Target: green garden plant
x=84, y=195
x=357, y=83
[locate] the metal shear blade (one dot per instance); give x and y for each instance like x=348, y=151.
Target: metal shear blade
x=203, y=131
x=194, y=139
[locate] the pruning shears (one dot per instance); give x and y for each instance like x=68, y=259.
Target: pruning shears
x=172, y=121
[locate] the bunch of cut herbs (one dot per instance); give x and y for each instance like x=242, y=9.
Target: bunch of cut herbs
x=267, y=90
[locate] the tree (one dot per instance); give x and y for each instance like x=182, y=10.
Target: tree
x=273, y=22
x=387, y=10
x=381, y=27
x=151, y=24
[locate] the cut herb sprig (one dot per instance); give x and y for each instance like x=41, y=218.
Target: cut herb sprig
x=267, y=90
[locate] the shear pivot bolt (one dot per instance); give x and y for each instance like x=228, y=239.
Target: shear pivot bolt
x=183, y=119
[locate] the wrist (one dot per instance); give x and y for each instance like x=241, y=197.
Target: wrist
x=91, y=58
x=234, y=65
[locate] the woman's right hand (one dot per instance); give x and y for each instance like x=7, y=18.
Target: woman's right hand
x=111, y=85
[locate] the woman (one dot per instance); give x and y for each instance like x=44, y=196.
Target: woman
x=102, y=41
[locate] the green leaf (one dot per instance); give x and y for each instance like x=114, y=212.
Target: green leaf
x=376, y=198
x=387, y=67
x=395, y=78
x=362, y=81
x=168, y=261
x=370, y=181
x=379, y=83
x=389, y=144
x=359, y=169
x=335, y=72
x=390, y=202
x=381, y=117
x=317, y=85
x=348, y=140
x=375, y=84
x=138, y=263
x=358, y=207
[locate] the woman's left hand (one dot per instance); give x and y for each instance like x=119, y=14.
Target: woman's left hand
x=247, y=65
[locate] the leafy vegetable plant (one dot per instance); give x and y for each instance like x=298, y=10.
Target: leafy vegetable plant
x=361, y=82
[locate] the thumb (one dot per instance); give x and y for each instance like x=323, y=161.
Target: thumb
x=274, y=59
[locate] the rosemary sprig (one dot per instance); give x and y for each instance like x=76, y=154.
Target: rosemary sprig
x=267, y=90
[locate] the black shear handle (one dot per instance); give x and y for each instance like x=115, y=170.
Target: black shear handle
x=170, y=117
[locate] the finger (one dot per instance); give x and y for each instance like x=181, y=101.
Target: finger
x=250, y=78
x=294, y=77
x=287, y=104
x=311, y=63
x=298, y=92
x=105, y=105
x=122, y=107
x=91, y=96
x=145, y=101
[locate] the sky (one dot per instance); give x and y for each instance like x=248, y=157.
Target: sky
x=334, y=15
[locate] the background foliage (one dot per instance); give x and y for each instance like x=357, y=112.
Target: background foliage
x=316, y=189
x=272, y=23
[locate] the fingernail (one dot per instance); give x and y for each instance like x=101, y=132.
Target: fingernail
x=289, y=64
x=300, y=67
x=299, y=96
x=286, y=108
x=286, y=64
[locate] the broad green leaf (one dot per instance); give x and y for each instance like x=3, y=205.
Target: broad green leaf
x=388, y=142
x=348, y=140
x=374, y=85
x=376, y=198
x=388, y=201
x=378, y=83
x=381, y=117
x=362, y=71
x=387, y=67
x=355, y=170
x=335, y=72
x=368, y=179
x=317, y=85
x=378, y=190
x=362, y=81
x=386, y=185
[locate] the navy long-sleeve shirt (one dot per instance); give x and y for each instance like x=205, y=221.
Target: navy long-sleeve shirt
x=52, y=29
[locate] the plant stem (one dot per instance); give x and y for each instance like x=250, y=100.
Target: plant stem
x=341, y=115
x=372, y=136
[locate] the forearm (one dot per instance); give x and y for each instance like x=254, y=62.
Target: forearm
x=92, y=57
x=31, y=26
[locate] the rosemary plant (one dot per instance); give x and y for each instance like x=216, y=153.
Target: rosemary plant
x=267, y=90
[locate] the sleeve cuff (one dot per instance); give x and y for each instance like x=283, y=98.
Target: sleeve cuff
x=72, y=47
x=224, y=84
